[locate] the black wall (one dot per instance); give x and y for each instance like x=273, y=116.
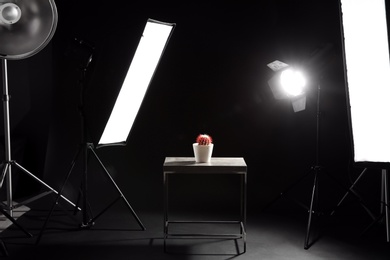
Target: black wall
x=211, y=79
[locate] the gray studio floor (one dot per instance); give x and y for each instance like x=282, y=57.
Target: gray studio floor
x=272, y=234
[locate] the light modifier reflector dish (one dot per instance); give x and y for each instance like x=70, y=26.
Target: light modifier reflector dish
x=150, y=48
x=367, y=78
x=26, y=27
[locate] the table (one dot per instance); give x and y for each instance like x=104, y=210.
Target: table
x=219, y=166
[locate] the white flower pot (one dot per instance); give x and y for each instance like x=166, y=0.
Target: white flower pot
x=202, y=152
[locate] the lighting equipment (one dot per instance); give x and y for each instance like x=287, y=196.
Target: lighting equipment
x=26, y=27
x=146, y=58
x=367, y=78
x=288, y=83
x=136, y=82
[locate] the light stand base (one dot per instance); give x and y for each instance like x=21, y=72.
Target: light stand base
x=6, y=169
x=8, y=216
x=88, y=221
x=7, y=165
x=312, y=209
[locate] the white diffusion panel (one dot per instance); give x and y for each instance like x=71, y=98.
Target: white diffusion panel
x=139, y=75
x=368, y=78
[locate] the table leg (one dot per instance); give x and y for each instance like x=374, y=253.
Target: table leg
x=165, y=208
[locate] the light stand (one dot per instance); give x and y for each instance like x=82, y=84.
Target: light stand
x=384, y=203
x=83, y=153
x=316, y=169
x=384, y=210
x=285, y=89
x=9, y=163
x=135, y=84
x=26, y=27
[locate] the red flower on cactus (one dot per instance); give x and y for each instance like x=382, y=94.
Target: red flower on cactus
x=204, y=139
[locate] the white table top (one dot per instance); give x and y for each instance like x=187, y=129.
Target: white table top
x=216, y=165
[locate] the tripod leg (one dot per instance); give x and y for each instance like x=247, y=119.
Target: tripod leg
x=287, y=190
x=313, y=195
x=43, y=183
x=3, y=248
x=117, y=188
x=86, y=223
x=4, y=212
x=14, y=222
x=349, y=190
x=3, y=174
x=357, y=196
x=57, y=198
x=81, y=197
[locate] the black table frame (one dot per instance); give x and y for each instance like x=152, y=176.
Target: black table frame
x=217, y=165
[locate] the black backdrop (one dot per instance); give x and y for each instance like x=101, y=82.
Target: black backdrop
x=211, y=79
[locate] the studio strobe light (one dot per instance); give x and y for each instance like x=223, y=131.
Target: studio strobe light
x=26, y=27
x=288, y=83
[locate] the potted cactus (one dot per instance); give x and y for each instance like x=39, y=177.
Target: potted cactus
x=203, y=148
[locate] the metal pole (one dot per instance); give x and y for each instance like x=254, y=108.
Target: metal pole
x=316, y=169
x=166, y=209
x=318, y=126
x=7, y=136
x=85, y=223
x=383, y=192
x=311, y=211
x=386, y=201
